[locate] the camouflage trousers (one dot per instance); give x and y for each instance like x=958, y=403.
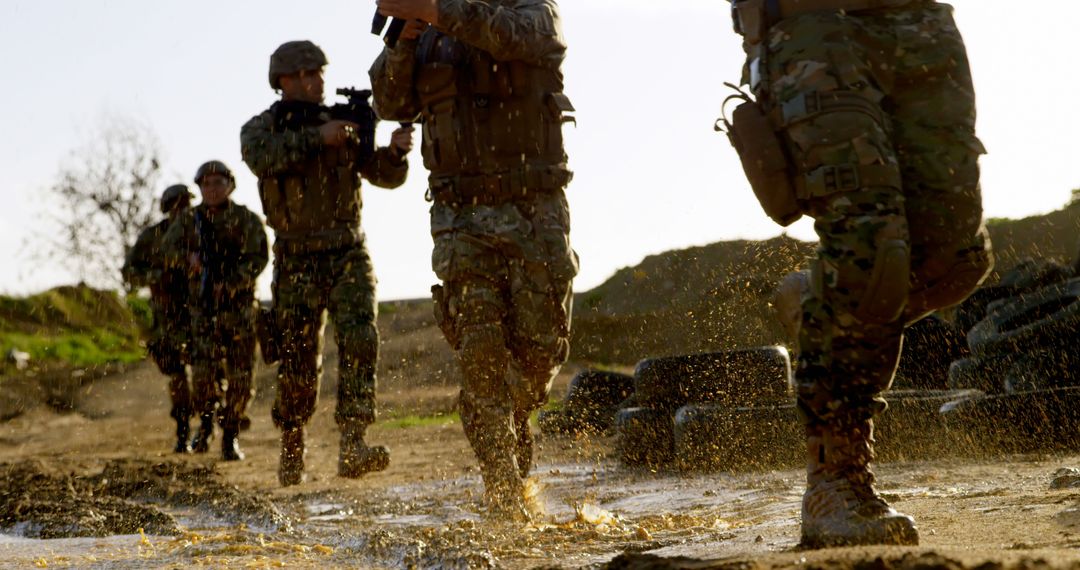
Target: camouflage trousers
x=169, y=345
x=877, y=112
x=504, y=306
x=306, y=288
x=223, y=364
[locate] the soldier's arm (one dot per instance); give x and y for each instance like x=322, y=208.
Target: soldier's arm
x=530, y=31
x=393, y=90
x=141, y=267
x=269, y=153
x=384, y=169
x=178, y=241
x=253, y=255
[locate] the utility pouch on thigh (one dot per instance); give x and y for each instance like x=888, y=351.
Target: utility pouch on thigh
x=441, y=311
x=268, y=335
x=763, y=158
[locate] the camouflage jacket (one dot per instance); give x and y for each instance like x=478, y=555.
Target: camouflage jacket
x=231, y=244
x=310, y=192
x=487, y=82
x=146, y=266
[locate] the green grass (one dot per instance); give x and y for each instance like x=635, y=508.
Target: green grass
x=411, y=421
x=83, y=348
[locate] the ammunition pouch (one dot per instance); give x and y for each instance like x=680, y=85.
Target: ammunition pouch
x=752, y=18
x=269, y=337
x=498, y=188
x=764, y=161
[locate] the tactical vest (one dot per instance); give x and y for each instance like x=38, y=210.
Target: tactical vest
x=317, y=206
x=484, y=117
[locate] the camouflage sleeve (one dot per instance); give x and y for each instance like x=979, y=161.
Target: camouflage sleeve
x=268, y=153
x=254, y=254
x=384, y=170
x=394, y=97
x=527, y=30
x=178, y=241
x=143, y=264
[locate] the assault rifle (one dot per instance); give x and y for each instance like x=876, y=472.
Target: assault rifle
x=358, y=110
x=212, y=266
x=392, y=34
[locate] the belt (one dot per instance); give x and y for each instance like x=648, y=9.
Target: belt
x=293, y=243
x=497, y=188
x=769, y=12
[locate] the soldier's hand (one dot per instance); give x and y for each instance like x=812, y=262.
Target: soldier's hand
x=426, y=10
x=194, y=263
x=337, y=132
x=413, y=29
x=401, y=142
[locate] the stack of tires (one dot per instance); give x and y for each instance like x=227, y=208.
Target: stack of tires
x=718, y=410
x=592, y=400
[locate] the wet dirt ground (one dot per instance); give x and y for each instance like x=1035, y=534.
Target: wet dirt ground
x=99, y=488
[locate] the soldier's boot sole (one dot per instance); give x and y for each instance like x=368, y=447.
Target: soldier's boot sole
x=291, y=465
x=357, y=461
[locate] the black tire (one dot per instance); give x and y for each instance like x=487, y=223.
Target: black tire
x=912, y=428
x=594, y=397
x=644, y=437
x=1043, y=420
x=735, y=378
x=721, y=438
x=1044, y=370
x=930, y=345
x=986, y=374
x=1041, y=319
x=973, y=309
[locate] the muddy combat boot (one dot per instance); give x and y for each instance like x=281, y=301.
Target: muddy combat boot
x=523, y=449
x=230, y=444
x=355, y=458
x=492, y=438
x=183, y=432
x=840, y=506
x=201, y=442
x=291, y=467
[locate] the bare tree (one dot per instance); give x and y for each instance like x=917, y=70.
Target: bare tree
x=104, y=194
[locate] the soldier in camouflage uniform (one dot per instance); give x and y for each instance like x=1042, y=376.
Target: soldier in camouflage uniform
x=223, y=247
x=309, y=168
x=170, y=332
x=873, y=105
x=485, y=78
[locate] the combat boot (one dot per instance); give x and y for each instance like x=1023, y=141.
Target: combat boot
x=201, y=442
x=840, y=506
x=230, y=444
x=291, y=466
x=491, y=436
x=523, y=449
x=355, y=458
x=183, y=432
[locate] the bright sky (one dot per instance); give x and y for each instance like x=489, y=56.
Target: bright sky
x=645, y=75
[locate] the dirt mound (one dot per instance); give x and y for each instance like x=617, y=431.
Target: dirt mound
x=126, y=497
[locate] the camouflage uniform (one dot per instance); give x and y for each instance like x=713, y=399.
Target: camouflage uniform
x=874, y=104
x=311, y=197
x=487, y=83
x=223, y=323
x=170, y=332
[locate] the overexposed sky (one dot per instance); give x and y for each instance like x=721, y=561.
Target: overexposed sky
x=645, y=75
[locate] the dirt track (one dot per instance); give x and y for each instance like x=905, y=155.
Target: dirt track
x=100, y=475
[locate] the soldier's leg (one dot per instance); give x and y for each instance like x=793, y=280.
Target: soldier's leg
x=539, y=319
x=180, y=396
x=934, y=129
x=823, y=83
x=354, y=310
x=301, y=319
x=239, y=385
x=205, y=380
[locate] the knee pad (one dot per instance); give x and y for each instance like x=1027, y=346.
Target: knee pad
x=963, y=274
x=886, y=293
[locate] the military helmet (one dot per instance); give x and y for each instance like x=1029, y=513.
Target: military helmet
x=214, y=167
x=292, y=57
x=174, y=194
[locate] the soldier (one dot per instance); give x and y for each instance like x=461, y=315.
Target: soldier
x=223, y=247
x=309, y=167
x=871, y=103
x=485, y=77
x=170, y=332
